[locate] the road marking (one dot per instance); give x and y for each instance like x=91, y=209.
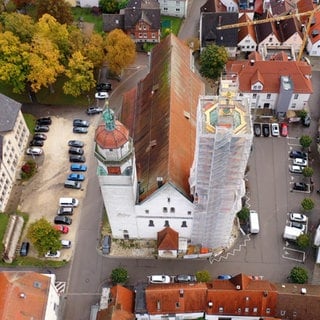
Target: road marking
x=60, y=286
x=289, y=251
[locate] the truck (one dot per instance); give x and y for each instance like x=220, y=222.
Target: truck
x=316, y=240
x=291, y=233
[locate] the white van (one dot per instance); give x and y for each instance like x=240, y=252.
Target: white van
x=68, y=202
x=254, y=222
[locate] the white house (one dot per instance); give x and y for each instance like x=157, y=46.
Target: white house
x=313, y=41
x=247, y=40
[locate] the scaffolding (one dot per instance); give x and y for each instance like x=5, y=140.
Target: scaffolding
x=223, y=144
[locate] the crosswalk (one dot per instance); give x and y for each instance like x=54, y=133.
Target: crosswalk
x=60, y=286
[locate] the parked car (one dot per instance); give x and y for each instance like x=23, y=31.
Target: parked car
x=77, y=158
x=185, y=278
x=275, y=129
x=76, y=177
x=62, y=220
x=284, y=129
x=300, y=186
x=300, y=162
x=62, y=229
x=41, y=128
x=257, y=129
x=159, y=279
x=65, y=211
x=266, y=129
x=306, y=121
x=34, y=151
x=298, y=225
x=72, y=184
x=78, y=167
x=101, y=95
x=81, y=123
x=36, y=143
x=106, y=244
x=74, y=150
x=80, y=130
x=75, y=143
x=224, y=277
x=40, y=136
x=107, y=86
x=295, y=169
x=298, y=217
x=51, y=254
x=298, y=154
x=94, y=110
x=24, y=249
x=44, y=121
x=65, y=244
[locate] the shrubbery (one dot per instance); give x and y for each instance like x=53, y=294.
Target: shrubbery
x=28, y=169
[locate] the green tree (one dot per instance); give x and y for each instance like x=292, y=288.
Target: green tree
x=303, y=241
x=59, y=9
x=203, y=276
x=122, y=4
x=212, y=61
x=302, y=113
x=80, y=74
x=121, y=51
x=305, y=141
x=243, y=214
x=109, y=6
x=119, y=275
x=307, y=172
x=298, y=275
x=307, y=204
x=43, y=236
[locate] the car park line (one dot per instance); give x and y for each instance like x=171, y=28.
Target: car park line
x=293, y=254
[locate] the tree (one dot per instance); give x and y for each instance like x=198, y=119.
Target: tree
x=298, y=275
x=80, y=73
x=43, y=236
x=94, y=50
x=109, y=6
x=22, y=4
x=212, y=61
x=305, y=141
x=203, y=276
x=59, y=9
x=307, y=172
x=307, y=204
x=120, y=51
x=122, y=4
x=303, y=241
x=119, y=275
x=243, y=214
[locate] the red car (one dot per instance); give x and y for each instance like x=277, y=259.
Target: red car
x=62, y=229
x=284, y=129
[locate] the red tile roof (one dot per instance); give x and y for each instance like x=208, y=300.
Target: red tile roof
x=246, y=30
x=168, y=239
x=271, y=71
x=314, y=33
x=23, y=295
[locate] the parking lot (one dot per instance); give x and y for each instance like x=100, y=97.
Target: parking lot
x=40, y=197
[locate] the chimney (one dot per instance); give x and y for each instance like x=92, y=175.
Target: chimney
x=159, y=181
x=252, y=62
x=22, y=295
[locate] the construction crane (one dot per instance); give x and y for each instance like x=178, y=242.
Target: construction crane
x=310, y=13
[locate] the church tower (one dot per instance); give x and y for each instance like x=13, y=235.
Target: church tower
x=117, y=175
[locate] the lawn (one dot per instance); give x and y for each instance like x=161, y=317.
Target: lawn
x=4, y=218
x=85, y=15
x=172, y=23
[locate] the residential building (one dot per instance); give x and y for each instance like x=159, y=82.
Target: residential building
x=313, y=41
x=28, y=295
x=144, y=162
x=223, y=144
x=14, y=136
x=174, y=8
x=279, y=84
x=247, y=40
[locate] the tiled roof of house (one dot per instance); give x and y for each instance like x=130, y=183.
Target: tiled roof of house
x=282, y=7
x=246, y=30
x=23, y=295
x=143, y=4
x=264, y=30
x=176, y=298
x=255, y=55
x=133, y=16
x=314, y=33
x=210, y=6
x=258, y=7
x=168, y=239
x=112, y=21
x=211, y=20
x=287, y=28
x=164, y=118
x=304, y=6
x=8, y=113
x=271, y=72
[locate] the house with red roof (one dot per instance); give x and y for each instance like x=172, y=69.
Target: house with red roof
x=313, y=41
x=168, y=243
x=247, y=40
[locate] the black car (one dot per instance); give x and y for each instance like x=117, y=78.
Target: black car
x=41, y=128
x=300, y=186
x=81, y=123
x=104, y=87
x=94, y=110
x=266, y=129
x=75, y=143
x=80, y=130
x=298, y=154
x=257, y=129
x=62, y=220
x=36, y=143
x=44, y=121
x=77, y=158
x=74, y=150
x=39, y=136
x=24, y=249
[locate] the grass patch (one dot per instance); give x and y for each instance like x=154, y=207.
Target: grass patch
x=86, y=16
x=174, y=23
x=4, y=219
x=35, y=262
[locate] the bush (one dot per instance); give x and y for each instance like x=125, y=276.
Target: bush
x=119, y=275
x=307, y=172
x=203, y=276
x=303, y=241
x=243, y=214
x=298, y=275
x=305, y=141
x=307, y=204
x=28, y=169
